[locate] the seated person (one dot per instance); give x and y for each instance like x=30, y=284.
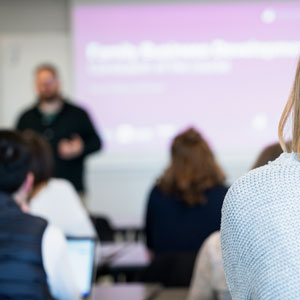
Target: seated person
x=184, y=206
x=208, y=282
x=55, y=199
x=33, y=257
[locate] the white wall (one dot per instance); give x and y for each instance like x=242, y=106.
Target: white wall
x=20, y=54
x=31, y=32
x=34, y=16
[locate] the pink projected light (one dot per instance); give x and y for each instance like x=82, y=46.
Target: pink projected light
x=147, y=71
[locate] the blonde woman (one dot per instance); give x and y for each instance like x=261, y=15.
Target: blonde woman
x=260, y=231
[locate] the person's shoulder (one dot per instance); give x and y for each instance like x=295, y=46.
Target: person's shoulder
x=27, y=112
x=219, y=189
x=36, y=219
x=62, y=186
x=155, y=189
x=265, y=175
x=213, y=241
x=60, y=183
x=156, y=192
x=258, y=183
x=216, y=195
x=243, y=186
x=74, y=108
x=212, y=244
x=36, y=223
x=156, y=196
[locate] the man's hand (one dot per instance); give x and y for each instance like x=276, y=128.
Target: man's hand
x=72, y=148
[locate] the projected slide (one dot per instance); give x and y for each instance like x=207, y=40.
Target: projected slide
x=147, y=71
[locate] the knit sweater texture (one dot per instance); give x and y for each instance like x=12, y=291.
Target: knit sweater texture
x=260, y=232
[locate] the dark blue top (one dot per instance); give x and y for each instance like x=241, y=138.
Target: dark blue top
x=22, y=273
x=172, y=225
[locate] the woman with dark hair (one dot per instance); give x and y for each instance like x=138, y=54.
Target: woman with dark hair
x=184, y=207
x=54, y=199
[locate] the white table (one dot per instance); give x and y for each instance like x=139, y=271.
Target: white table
x=120, y=255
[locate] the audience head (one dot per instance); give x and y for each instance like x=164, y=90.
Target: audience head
x=292, y=109
x=269, y=153
x=47, y=82
x=42, y=161
x=193, y=168
x=15, y=157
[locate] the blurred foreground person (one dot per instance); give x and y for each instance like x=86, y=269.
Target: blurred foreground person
x=209, y=281
x=261, y=222
x=55, y=199
x=67, y=127
x=33, y=254
x=184, y=206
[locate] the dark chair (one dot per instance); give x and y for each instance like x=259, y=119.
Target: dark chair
x=171, y=269
x=103, y=228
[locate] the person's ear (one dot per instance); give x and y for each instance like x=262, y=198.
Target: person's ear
x=57, y=84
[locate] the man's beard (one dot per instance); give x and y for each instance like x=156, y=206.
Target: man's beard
x=49, y=99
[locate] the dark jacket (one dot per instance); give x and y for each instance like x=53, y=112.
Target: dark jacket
x=69, y=121
x=22, y=275
x=173, y=226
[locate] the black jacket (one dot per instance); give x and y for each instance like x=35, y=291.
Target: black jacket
x=22, y=275
x=70, y=120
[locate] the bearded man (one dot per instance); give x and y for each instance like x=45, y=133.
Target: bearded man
x=67, y=127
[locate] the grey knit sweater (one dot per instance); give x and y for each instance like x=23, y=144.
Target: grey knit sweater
x=260, y=232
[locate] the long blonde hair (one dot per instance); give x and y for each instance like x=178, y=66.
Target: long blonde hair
x=292, y=107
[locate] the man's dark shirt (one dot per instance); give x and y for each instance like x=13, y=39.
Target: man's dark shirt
x=69, y=121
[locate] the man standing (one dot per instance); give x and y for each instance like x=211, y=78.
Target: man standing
x=67, y=127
